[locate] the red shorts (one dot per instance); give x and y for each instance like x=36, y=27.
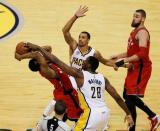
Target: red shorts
x=72, y=111
x=136, y=81
x=65, y=91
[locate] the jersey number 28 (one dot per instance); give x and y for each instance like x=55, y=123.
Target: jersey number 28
x=96, y=92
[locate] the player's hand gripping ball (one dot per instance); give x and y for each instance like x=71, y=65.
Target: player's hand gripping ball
x=21, y=48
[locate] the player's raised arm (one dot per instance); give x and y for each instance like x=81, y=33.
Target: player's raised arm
x=66, y=29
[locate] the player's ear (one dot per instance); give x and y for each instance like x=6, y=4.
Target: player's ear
x=143, y=19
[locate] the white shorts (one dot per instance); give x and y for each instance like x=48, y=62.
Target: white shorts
x=97, y=120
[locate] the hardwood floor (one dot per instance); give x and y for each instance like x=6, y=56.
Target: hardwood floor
x=24, y=94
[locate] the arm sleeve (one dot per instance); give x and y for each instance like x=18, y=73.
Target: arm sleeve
x=143, y=52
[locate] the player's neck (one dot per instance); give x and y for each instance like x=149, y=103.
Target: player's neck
x=59, y=117
x=84, y=49
x=91, y=71
x=140, y=26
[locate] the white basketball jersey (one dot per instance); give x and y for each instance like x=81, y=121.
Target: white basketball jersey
x=93, y=89
x=77, y=57
x=49, y=124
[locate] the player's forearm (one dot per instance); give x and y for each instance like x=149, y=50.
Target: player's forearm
x=131, y=59
x=25, y=56
x=69, y=24
x=47, y=48
x=111, y=90
x=122, y=55
x=121, y=103
x=69, y=70
x=46, y=54
x=142, y=54
x=109, y=63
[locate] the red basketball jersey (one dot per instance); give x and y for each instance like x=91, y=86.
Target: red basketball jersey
x=137, y=79
x=64, y=91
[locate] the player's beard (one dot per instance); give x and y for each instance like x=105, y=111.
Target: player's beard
x=135, y=24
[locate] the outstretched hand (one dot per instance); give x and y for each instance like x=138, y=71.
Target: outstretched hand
x=129, y=120
x=81, y=11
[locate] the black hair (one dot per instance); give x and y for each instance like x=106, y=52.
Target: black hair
x=93, y=62
x=87, y=33
x=142, y=12
x=60, y=107
x=34, y=65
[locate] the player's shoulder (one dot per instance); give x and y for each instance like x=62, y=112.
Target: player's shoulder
x=64, y=126
x=97, y=54
x=143, y=31
x=90, y=48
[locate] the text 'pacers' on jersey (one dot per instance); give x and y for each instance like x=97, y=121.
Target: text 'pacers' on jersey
x=77, y=57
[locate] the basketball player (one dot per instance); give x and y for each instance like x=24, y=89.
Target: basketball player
x=80, y=50
x=91, y=92
x=137, y=79
x=62, y=84
x=55, y=123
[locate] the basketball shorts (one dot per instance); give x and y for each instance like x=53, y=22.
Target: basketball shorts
x=96, y=119
x=136, y=81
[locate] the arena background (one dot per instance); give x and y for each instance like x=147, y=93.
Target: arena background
x=23, y=94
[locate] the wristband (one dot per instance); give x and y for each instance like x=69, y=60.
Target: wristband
x=119, y=63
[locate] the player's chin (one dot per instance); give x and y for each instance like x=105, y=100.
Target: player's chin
x=81, y=44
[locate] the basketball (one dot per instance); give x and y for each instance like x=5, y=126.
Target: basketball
x=21, y=49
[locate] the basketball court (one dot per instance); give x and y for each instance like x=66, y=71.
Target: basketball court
x=24, y=94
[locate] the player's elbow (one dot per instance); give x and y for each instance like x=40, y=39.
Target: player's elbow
x=64, y=30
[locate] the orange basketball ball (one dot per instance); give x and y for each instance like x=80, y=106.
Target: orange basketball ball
x=21, y=49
